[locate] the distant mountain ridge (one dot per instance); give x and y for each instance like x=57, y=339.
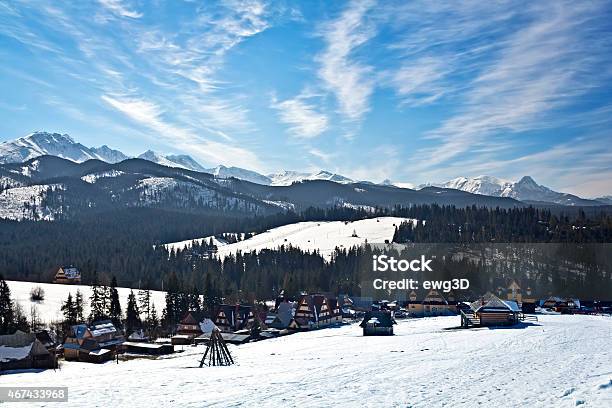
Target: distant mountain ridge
x=51, y=188
x=526, y=190
x=62, y=145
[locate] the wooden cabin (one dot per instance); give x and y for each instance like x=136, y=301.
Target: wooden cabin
x=24, y=351
x=432, y=304
x=492, y=311
x=231, y=318
x=95, y=344
x=281, y=317
x=525, y=300
x=312, y=312
x=68, y=275
x=192, y=325
x=378, y=323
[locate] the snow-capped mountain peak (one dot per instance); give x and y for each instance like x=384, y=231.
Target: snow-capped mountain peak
x=222, y=171
x=526, y=189
x=288, y=177
x=42, y=143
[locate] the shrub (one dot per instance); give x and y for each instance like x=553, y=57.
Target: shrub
x=37, y=294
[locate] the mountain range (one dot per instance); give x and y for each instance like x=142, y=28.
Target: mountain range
x=62, y=145
x=49, y=187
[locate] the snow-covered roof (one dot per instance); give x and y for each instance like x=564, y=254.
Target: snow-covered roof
x=8, y=353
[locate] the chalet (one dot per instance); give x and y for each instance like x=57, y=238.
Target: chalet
x=492, y=311
x=231, y=318
x=192, y=325
x=378, y=323
x=281, y=317
x=96, y=343
x=432, y=304
x=335, y=312
x=68, y=275
x=23, y=350
x=515, y=293
x=313, y=312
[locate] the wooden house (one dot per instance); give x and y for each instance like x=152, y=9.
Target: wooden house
x=378, y=323
x=312, y=312
x=231, y=318
x=68, y=275
x=192, y=325
x=515, y=293
x=281, y=317
x=23, y=351
x=432, y=304
x=492, y=311
x=96, y=343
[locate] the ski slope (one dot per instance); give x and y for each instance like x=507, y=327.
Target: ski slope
x=310, y=236
x=49, y=309
x=560, y=361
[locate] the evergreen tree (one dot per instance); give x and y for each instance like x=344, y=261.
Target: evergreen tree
x=7, y=309
x=132, y=319
x=69, y=310
x=97, y=302
x=79, y=306
x=144, y=298
x=114, y=306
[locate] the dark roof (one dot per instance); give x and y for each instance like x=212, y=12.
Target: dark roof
x=383, y=317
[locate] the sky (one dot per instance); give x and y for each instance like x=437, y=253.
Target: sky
x=411, y=91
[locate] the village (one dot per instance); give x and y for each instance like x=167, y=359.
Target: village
x=106, y=340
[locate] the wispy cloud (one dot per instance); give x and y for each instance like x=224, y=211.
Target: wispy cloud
x=303, y=119
x=349, y=79
x=539, y=69
x=119, y=8
x=151, y=115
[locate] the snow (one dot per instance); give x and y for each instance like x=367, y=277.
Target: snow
x=93, y=177
x=288, y=177
x=55, y=294
x=13, y=201
x=310, y=236
x=560, y=361
x=14, y=353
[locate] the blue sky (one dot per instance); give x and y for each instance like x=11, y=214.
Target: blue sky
x=412, y=91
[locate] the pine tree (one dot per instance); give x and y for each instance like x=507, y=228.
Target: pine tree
x=70, y=311
x=79, y=306
x=114, y=306
x=132, y=319
x=144, y=298
x=154, y=320
x=97, y=302
x=7, y=309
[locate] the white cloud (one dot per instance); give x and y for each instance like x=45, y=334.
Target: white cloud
x=119, y=8
x=539, y=69
x=303, y=119
x=151, y=115
x=350, y=80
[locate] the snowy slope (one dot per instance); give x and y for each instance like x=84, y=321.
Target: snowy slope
x=561, y=361
x=288, y=177
x=55, y=295
x=181, y=161
x=21, y=203
x=41, y=143
x=311, y=236
x=242, y=174
x=526, y=189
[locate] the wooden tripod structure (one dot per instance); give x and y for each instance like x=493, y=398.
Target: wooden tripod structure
x=217, y=353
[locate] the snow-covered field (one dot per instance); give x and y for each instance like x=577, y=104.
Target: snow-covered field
x=560, y=361
x=312, y=235
x=55, y=295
